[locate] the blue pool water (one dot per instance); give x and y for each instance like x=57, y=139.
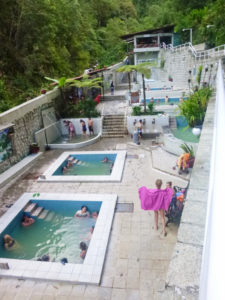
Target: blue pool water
x=183, y=132
x=161, y=101
x=57, y=235
x=88, y=164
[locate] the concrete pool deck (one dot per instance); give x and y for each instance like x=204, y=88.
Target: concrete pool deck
x=137, y=257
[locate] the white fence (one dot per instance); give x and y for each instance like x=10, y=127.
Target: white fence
x=213, y=261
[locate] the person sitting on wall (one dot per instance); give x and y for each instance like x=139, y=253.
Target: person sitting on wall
x=27, y=221
x=83, y=248
x=83, y=212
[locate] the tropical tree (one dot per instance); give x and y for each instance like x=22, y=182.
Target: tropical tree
x=145, y=71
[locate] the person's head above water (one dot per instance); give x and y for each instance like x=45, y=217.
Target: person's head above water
x=158, y=183
x=83, y=246
x=84, y=208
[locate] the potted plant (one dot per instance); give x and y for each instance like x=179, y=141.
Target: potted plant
x=34, y=148
x=189, y=149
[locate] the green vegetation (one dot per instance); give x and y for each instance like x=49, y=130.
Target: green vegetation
x=145, y=71
x=62, y=38
x=137, y=111
x=194, y=108
x=188, y=149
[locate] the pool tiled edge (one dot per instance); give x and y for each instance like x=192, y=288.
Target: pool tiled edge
x=91, y=269
x=115, y=176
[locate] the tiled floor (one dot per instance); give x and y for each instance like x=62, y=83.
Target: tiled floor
x=137, y=258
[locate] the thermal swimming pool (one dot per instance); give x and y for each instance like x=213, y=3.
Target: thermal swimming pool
x=87, y=166
x=59, y=240
x=161, y=101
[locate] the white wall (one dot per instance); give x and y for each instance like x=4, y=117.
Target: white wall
x=97, y=124
x=160, y=120
x=55, y=130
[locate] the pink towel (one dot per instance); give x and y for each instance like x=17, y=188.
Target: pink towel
x=154, y=199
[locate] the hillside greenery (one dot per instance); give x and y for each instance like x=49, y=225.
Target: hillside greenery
x=62, y=38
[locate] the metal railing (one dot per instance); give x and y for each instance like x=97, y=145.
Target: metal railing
x=216, y=52
x=213, y=260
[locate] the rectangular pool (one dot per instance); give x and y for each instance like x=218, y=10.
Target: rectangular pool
x=87, y=166
x=58, y=235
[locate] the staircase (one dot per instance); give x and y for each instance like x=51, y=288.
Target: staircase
x=35, y=211
x=113, y=126
x=172, y=122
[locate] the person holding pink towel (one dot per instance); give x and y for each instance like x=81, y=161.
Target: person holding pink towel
x=157, y=200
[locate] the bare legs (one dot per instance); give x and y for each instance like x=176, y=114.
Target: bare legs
x=162, y=216
x=156, y=219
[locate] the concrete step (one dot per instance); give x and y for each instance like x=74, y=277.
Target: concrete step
x=114, y=132
x=30, y=208
x=50, y=216
x=43, y=214
x=113, y=135
x=113, y=127
x=114, y=116
x=37, y=211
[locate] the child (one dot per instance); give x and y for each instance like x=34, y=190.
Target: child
x=83, y=248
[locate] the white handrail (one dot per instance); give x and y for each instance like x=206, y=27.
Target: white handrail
x=213, y=261
x=218, y=51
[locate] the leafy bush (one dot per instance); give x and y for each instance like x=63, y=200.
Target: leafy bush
x=187, y=149
x=151, y=108
x=136, y=111
x=84, y=109
x=199, y=75
x=194, y=108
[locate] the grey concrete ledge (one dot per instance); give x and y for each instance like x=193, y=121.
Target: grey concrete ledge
x=15, y=170
x=183, y=276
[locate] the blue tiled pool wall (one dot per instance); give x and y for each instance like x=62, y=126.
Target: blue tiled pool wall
x=162, y=100
x=17, y=220
x=86, y=158
x=67, y=208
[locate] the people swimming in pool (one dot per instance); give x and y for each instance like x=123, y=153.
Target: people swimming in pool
x=9, y=243
x=45, y=257
x=83, y=212
x=64, y=169
x=94, y=215
x=105, y=160
x=70, y=161
x=27, y=221
x=83, y=248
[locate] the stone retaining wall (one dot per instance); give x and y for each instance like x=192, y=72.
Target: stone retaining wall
x=27, y=119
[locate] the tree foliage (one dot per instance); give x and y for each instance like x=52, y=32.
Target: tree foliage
x=61, y=38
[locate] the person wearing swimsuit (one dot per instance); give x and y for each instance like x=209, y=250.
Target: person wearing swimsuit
x=83, y=126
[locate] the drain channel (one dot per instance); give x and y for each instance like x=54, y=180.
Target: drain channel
x=124, y=207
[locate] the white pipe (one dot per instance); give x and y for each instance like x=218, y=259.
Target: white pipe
x=213, y=261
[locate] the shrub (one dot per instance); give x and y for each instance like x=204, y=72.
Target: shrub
x=194, y=108
x=151, y=108
x=83, y=109
x=136, y=111
x=187, y=149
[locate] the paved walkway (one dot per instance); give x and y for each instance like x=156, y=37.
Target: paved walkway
x=137, y=258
